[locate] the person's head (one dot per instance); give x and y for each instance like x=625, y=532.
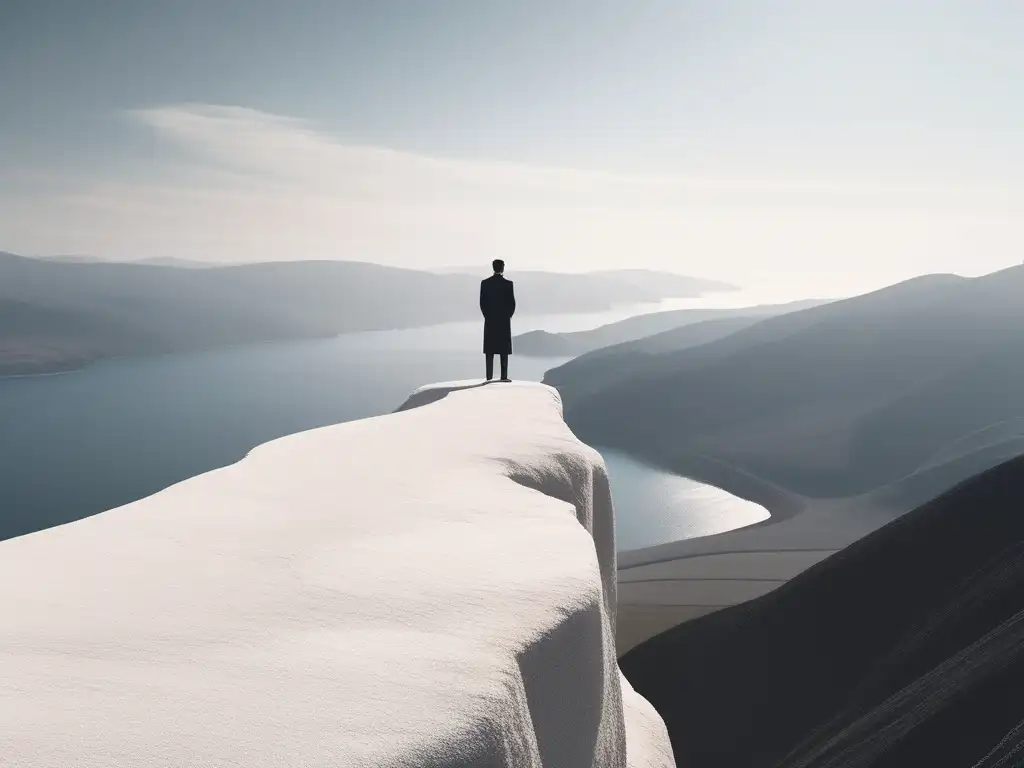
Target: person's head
x=498, y=265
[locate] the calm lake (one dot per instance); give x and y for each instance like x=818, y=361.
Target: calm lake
x=76, y=444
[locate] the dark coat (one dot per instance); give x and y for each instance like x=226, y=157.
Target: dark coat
x=498, y=304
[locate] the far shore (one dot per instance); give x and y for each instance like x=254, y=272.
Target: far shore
x=41, y=374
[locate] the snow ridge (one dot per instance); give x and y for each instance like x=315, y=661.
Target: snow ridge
x=435, y=587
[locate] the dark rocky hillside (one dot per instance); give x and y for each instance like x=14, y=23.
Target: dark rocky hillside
x=904, y=649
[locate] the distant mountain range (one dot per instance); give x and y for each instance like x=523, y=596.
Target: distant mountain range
x=654, y=328
x=170, y=261
x=644, y=279
x=899, y=393
x=602, y=287
x=63, y=312
x=160, y=261
x=904, y=649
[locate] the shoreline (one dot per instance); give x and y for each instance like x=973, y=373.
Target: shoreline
x=659, y=505
x=780, y=503
x=664, y=585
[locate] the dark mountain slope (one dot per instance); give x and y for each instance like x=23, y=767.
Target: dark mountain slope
x=904, y=649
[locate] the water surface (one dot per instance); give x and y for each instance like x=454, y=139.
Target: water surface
x=653, y=506
x=76, y=444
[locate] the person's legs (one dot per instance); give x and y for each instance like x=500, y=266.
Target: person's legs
x=490, y=366
x=504, y=367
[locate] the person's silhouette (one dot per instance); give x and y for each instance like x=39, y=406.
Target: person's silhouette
x=498, y=304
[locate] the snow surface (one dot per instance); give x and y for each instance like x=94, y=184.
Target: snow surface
x=434, y=587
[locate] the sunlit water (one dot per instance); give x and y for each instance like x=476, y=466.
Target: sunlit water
x=653, y=507
x=77, y=444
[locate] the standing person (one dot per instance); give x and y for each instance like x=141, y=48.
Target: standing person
x=498, y=304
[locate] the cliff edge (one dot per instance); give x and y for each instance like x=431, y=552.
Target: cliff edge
x=434, y=587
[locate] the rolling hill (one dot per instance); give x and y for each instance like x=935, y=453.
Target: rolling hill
x=833, y=401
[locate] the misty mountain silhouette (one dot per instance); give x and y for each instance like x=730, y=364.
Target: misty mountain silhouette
x=640, y=284
x=838, y=400
x=122, y=309
x=646, y=326
x=904, y=649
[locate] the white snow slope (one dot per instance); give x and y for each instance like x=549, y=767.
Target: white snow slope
x=434, y=587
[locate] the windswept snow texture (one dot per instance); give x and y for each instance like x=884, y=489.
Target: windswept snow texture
x=434, y=587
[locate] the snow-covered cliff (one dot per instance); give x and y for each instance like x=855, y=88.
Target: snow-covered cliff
x=434, y=587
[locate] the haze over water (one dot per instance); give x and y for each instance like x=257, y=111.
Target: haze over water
x=91, y=440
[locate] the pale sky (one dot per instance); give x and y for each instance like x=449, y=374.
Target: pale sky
x=822, y=145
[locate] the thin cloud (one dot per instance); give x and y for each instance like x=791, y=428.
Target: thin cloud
x=247, y=185
x=291, y=150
